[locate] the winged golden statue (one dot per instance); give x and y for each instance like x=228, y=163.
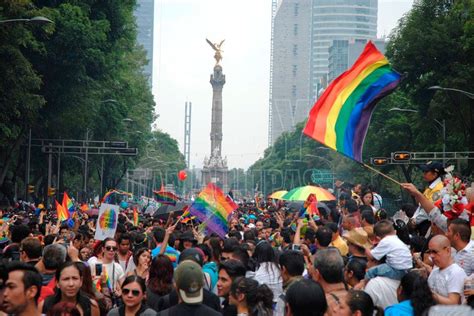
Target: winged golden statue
x=217, y=48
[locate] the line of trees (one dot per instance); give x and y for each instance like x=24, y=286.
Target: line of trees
x=80, y=75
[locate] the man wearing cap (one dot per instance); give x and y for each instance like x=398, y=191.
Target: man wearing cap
x=189, y=282
x=432, y=173
x=209, y=299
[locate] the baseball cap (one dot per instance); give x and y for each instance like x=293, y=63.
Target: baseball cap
x=433, y=166
x=189, y=282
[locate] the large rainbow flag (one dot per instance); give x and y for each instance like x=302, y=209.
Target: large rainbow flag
x=340, y=117
x=212, y=207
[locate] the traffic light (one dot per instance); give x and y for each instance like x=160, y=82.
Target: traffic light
x=379, y=161
x=401, y=156
x=51, y=191
x=31, y=189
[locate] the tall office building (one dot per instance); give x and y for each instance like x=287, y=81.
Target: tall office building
x=337, y=20
x=343, y=54
x=144, y=16
x=302, y=33
x=289, y=69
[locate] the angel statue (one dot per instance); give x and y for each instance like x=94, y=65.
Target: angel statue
x=217, y=48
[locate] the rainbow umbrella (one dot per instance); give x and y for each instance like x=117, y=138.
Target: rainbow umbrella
x=278, y=194
x=302, y=193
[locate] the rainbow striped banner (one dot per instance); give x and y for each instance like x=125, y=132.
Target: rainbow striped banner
x=212, y=207
x=340, y=117
x=107, y=196
x=166, y=197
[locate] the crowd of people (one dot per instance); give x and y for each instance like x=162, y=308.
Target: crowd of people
x=350, y=259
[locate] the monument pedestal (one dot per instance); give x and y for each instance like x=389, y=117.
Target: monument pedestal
x=215, y=171
x=215, y=168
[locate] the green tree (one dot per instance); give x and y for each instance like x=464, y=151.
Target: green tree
x=81, y=75
x=433, y=46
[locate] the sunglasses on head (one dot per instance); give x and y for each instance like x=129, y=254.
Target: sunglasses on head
x=135, y=293
x=110, y=248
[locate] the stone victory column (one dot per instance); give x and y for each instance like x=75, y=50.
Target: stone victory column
x=215, y=168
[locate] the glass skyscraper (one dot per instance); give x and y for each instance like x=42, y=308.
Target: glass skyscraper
x=144, y=16
x=337, y=20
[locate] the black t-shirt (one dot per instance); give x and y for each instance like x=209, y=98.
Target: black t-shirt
x=152, y=299
x=189, y=310
x=227, y=309
x=209, y=299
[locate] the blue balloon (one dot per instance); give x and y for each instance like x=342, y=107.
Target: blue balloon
x=123, y=204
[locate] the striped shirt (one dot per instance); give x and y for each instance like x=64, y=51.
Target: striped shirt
x=172, y=253
x=465, y=258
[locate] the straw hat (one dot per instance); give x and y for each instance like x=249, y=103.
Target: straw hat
x=358, y=236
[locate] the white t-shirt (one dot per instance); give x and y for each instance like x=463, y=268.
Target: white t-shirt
x=383, y=291
x=398, y=254
x=113, y=269
x=269, y=274
x=448, y=280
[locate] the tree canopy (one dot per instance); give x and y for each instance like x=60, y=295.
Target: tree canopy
x=81, y=75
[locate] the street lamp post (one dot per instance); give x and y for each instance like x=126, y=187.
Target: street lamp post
x=36, y=20
x=441, y=124
x=470, y=95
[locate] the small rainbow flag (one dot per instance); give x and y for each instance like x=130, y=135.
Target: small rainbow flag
x=108, y=282
x=212, y=207
x=108, y=219
x=135, y=216
x=166, y=197
x=67, y=203
x=63, y=214
x=340, y=117
x=85, y=207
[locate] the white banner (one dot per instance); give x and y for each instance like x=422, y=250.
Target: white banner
x=107, y=221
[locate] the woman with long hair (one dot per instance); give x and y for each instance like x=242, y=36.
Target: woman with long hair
x=142, y=260
x=414, y=295
x=367, y=198
x=268, y=271
x=160, y=280
x=69, y=283
x=250, y=298
x=133, y=297
x=215, y=244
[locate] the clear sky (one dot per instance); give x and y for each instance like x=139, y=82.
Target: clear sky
x=183, y=62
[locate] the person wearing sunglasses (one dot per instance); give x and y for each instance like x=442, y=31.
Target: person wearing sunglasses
x=133, y=297
x=109, y=264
